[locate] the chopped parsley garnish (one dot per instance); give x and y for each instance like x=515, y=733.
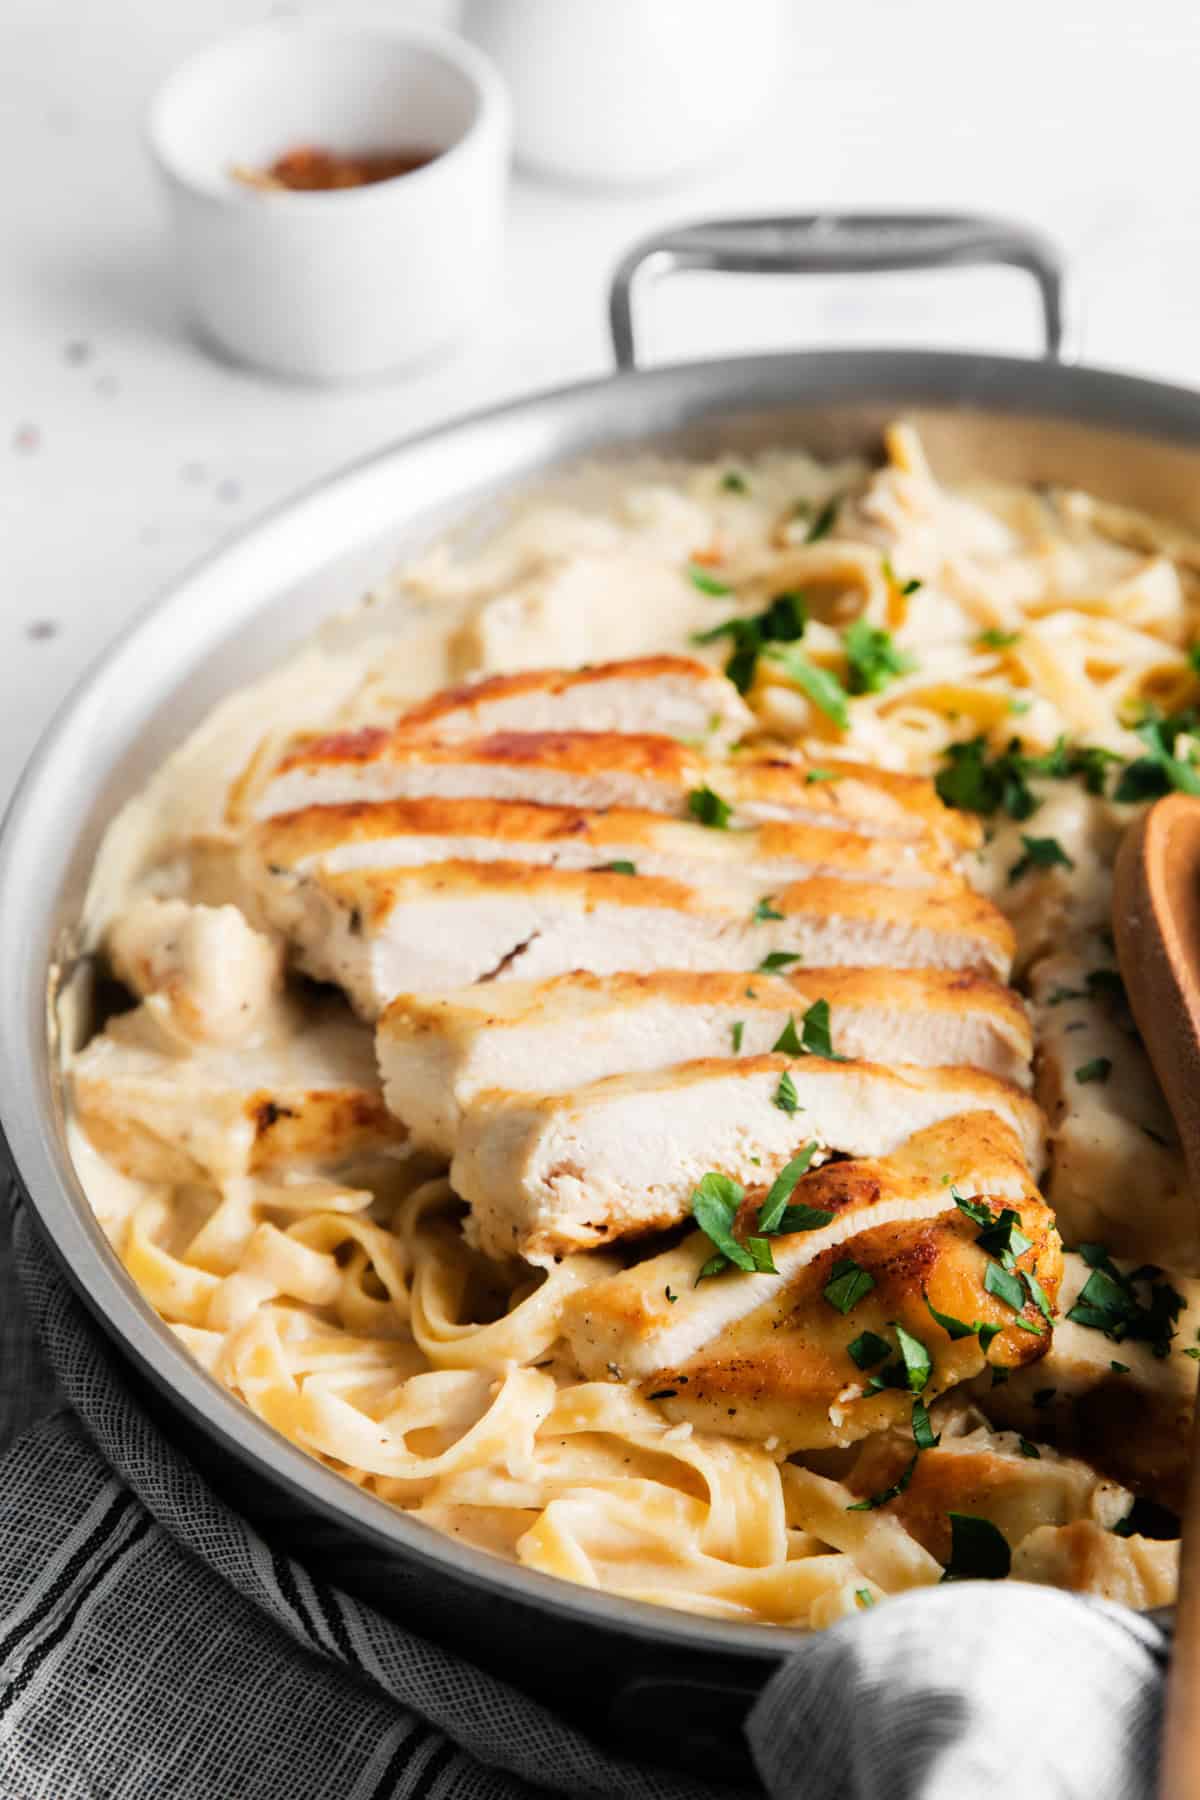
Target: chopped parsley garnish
x=924, y=1436
x=1040, y=853
x=868, y=1348
x=671, y=1298
x=978, y=1550
x=848, y=1284
x=903, y=588
x=987, y=1335
x=1001, y=1235
x=864, y=1599
x=997, y=640
x=734, y=483
x=776, y=1216
x=1028, y=1449
x=1192, y=1350
x=1099, y=1069
x=1037, y=1294
x=813, y=1040
x=817, y=1040
x=1160, y=771
x=1108, y=1302
x=620, y=867
x=785, y=1096
x=712, y=585
x=974, y=781
x=918, y=1365
x=782, y=622
x=890, y=1493
x=736, y=1031
x=764, y=910
x=716, y=1200
x=776, y=960
x=872, y=657
x=954, y=1328
x=709, y=809
x=824, y=522
x=821, y=775
x=1123, y=1368
x=820, y=685
x=1004, y=1286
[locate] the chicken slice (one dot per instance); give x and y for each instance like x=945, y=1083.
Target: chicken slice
x=1117, y=1172
x=1018, y=1485
x=383, y=932
x=397, y=834
x=209, y=976
x=438, y=1052
x=549, y=1174
x=771, y=1347
x=606, y=769
x=1116, y=1403
x=674, y=695
x=1134, y=1571
x=309, y=1101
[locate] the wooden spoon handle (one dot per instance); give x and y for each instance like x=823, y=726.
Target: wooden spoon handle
x=1156, y=926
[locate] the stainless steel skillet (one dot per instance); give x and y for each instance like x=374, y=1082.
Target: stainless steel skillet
x=668, y=1683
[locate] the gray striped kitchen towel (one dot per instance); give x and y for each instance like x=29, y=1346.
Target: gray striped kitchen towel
x=154, y=1647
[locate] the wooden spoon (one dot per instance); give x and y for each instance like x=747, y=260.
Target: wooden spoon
x=1156, y=925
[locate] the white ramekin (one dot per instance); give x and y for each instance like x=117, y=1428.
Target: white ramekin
x=334, y=286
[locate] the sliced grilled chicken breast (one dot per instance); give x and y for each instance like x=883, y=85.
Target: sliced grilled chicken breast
x=398, y=834
x=606, y=769
x=1112, y=1400
x=438, y=1052
x=656, y=1314
x=383, y=932
x=549, y=1174
x=312, y=1101
x=989, y=1475
x=674, y=695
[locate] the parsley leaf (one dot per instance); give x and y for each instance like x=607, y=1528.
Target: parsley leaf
x=788, y=1042
x=1028, y=1449
x=824, y=522
x=734, y=483
x=973, y=783
x=978, y=1551
x=817, y=1040
x=785, y=1096
x=997, y=640
x=1108, y=1302
x=707, y=584
x=780, y=1192
x=873, y=658
x=864, y=1599
x=903, y=588
x=918, y=1365
x=1099, y=1069
x=715, y=1202
x=954, y=1328
x=764, y=910
x=820, y=685
x=1040, y=853
x=1004, y=1286
x=709, y=808
x=782, y=622
x=776, y=960
x=890, y=1493
x=848, y=1284
x=736, y=1031
x=868, y=1348
x=620, y=867
x=924, y=1436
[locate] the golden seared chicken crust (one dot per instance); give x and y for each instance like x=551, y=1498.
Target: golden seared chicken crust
x=604, y=769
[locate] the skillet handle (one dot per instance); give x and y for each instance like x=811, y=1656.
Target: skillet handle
x=843, y=244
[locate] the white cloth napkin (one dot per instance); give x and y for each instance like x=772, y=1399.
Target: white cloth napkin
x=154, y=1647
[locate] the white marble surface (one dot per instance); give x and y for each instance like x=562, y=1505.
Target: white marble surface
x=126, y=452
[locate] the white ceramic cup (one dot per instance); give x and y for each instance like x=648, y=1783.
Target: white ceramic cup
x=337, y=285
x=628, y=91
